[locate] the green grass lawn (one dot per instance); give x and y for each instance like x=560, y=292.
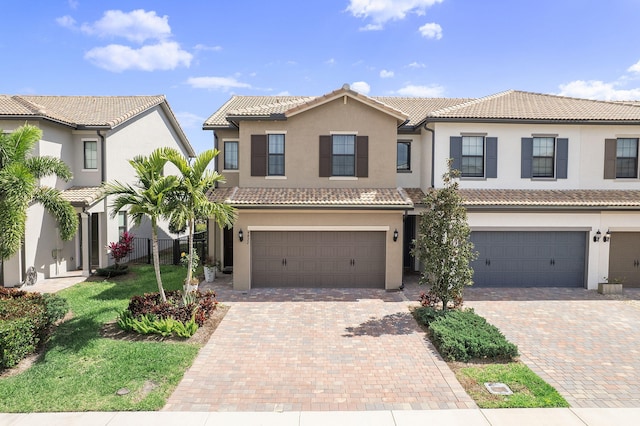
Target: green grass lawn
x=81, y=371
x=529, y=390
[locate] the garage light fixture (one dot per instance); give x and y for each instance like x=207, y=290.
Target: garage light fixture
x=607, y=236
x=240, y=235
x=395, y=235
x=596, y=237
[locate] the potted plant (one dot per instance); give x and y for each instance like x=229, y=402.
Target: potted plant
x=184, y=260
x=611, y=286
x=210, y=266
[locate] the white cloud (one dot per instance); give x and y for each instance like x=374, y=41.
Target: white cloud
x=635, y=68
x=283, y=93
x=137, y=26
x=73, y=4
x=199, y=47
x=382, y=11
x=416, y=65
x=188, y=119
x=372, y=27
x=330, y=61
x=386, y=74
x=118, y=58
x=216, y=83
x=431, y=30
x=361, y=87
x=596, y=89
x=66, y=21
x=432, y=91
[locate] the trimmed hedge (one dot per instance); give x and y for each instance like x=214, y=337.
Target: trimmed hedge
x=463, y=335
x=24, y=321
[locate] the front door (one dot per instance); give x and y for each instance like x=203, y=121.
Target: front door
x=227, y=252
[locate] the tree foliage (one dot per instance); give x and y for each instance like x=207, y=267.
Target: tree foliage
x=19, y=187
x=443, y=245
x=189, y=201
x=147, y=197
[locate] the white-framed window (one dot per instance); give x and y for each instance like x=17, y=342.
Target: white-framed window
x=472, y=156
x=275, y=154
x=343, y=155
x=627, y=158
x=544, y=157
x=90, y=155
x=122, y=222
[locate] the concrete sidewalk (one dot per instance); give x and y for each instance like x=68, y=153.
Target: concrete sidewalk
x=466, y=417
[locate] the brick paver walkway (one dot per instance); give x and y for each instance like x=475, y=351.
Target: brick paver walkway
x=584, y=344
x=294, y=350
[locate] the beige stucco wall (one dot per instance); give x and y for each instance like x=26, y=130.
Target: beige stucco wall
x=308, y=220
x=302, y=146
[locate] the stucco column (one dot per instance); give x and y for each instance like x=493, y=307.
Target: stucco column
x=86, y=234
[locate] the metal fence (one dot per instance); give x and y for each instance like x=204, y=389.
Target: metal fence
x=169, y=249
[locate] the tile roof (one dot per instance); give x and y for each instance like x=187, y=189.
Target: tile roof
x=324, y=197
x=82, y=196
x=275, y=106
x=416, y=195
x=106, y=111
x=87, y=111
x=518, y=105
x=551, y=198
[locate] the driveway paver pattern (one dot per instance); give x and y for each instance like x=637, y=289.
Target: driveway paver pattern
x=584, y=344
x=317, y=350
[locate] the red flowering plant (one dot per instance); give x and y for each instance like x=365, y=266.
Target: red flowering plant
x=121, y=249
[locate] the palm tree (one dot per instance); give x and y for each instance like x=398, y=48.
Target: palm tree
x=190, y=201
x=147, y=198
x=19, y=186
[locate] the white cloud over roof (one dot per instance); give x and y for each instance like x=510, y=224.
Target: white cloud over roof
x=216, y=83
x=382, y=11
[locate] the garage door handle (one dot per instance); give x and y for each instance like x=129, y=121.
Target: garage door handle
x=552, y=262
x=487, y=262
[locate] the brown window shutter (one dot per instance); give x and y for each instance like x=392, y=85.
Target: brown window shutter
x=610, y=148
x=325, y=156
x=362, y=156
x=258, y=155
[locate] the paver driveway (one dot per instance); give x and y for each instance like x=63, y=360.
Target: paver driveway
x=584, y=344
x=288, y=350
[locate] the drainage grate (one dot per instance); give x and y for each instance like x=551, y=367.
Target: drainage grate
x=498, y=388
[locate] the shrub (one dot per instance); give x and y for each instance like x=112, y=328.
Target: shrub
x=426, y=314
x=148, y=314
x=150, y=324
x=121, y=249
x=463, y=335
x=24, y=320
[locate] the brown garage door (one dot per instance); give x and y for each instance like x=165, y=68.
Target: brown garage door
x=624, y=258
x=318, y=259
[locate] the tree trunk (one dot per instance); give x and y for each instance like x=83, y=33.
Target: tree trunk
x=190, y=266
x=156, y=260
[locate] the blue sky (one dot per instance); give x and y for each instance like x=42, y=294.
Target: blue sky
x=198, y=53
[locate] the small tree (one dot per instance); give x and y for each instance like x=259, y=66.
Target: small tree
x=443, y=244
x=121, y=249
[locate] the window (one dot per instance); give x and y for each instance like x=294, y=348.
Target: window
x=90, y=154
x=275, y=166
x=543, y=157
x=472, y=156
x=627, y=158
x=122, y=222
x=343, y=155
x=231, y=155
x=404, y=156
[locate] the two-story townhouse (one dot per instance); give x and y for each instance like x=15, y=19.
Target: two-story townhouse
x=315, y=182
x=551, y=186
x=95, y=136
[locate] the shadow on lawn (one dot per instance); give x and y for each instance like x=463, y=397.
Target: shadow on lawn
x=394, y=324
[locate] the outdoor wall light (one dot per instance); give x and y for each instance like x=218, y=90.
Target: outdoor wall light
x=596, y=237
x=240, y=235
x=607, y=236
x=395, y=235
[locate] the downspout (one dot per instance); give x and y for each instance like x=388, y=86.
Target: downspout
x=433, y=153
x=103, y=161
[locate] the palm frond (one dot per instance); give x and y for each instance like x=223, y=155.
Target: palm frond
x=60, y=209
x=47, y=166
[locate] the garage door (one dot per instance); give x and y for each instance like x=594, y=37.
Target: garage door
x=317, y=259
x=529, y=259
x=624, y=258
